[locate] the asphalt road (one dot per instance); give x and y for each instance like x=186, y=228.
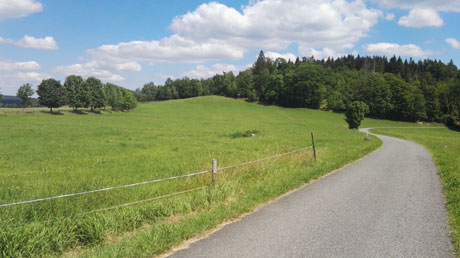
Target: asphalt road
x=388, y=204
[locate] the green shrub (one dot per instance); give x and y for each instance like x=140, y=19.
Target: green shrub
x=355, y=113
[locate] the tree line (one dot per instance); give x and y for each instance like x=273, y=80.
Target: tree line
x=396, y=89
x=78, y=93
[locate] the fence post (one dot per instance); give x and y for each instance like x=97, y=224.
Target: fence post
x=313, y=144
x=214, y=171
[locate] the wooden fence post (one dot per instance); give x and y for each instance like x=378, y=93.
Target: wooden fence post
x=214, y=171
x=313, y=144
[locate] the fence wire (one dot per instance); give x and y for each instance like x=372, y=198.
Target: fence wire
x=146, y=200
x=149, y=182
x=263, y=159
x=104, y=189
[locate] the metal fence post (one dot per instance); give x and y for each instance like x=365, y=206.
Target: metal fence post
x=313, y=144
x=214, y=171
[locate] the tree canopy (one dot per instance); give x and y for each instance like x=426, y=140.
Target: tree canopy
x=25, y=93
x=355, y=113
x=51, y=94
x=426, y=90
x=79, y=93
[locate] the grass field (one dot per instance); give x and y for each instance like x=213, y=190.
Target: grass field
x=444, y=145
x=44, y=155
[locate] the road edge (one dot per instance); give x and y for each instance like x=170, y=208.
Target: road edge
x=186, y=243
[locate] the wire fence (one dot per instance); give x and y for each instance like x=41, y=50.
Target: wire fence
x=147, y=200
x=214, y=171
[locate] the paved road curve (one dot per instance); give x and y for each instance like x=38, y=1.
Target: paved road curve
x=387, y=205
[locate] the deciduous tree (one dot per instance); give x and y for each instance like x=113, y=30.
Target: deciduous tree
x=355, y=113
x=77, y=93
x=98, y=98
x=51, y=94
x=25, y=93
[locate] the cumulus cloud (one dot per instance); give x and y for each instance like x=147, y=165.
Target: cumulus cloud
x=30, y=76
x=275, y=55
x=215, y=31
x=390, y=49
x=18, y=66
x=46, y=43
x=453, y=43
x=18, y=8
x=439, y=5
x=174, y=49
x=129, y=66
x=203, y=72
x=390, y=17
x=419, y=18
x=13, y=74
x=89, y=69
x=319, y=53
x=274, y=24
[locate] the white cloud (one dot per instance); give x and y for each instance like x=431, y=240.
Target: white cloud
x=419, y=18
x=390, y=49
x=439, y=5
x=18, y=66
x=275, y=55
x=319, y=53
x=30, y=76
x=274, y=24
x=31, y=65
x=215, y=31
x=88, y=70
x=390, y=17
x=174, y=49
x=453, y=43
x=18, y=8
x=129, y=66
x=14, y=74
x=46, y=43
x=202, y=71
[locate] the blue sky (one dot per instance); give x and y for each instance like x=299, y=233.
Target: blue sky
x=134, y=42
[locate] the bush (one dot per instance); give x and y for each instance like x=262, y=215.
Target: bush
x=355, y=114
x=246, y=134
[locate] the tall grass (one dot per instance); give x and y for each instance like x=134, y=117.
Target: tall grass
x=44, y=155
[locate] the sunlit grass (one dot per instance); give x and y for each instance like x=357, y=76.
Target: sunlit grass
x=43, y=155
x=444, y=145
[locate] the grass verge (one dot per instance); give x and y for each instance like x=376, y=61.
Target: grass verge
x=444, y=145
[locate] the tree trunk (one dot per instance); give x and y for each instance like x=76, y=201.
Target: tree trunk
x=51, y=110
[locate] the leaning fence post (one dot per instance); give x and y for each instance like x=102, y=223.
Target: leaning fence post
x=313, y=145
x=214, y=171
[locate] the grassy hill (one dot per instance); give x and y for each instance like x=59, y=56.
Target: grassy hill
x=44, y=155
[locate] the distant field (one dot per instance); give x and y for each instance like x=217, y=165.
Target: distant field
x=44, y=155
x=444, y=145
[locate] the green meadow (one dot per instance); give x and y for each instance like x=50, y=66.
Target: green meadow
x=444, y=145
x=43, y=155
